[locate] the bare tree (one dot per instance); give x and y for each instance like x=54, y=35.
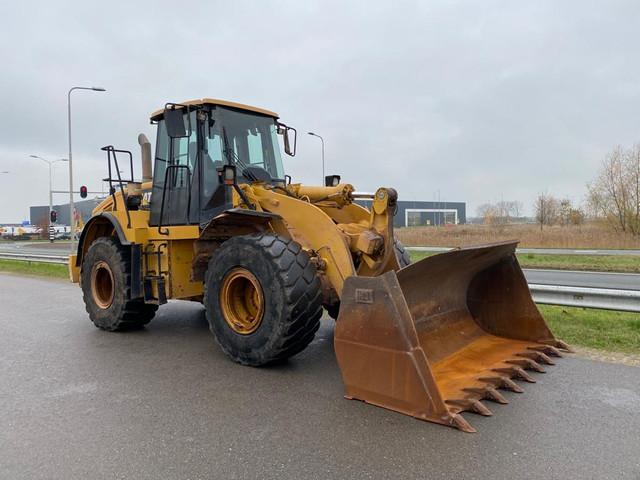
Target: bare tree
x=564, y=211
x=487, y=212
x=501, y=212
x=546, y=208
x=576, y=216
x=516, y=208
x=615, y=194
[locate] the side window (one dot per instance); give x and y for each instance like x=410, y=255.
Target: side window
x=184, y=153
x=162, y=153
x=213, y=159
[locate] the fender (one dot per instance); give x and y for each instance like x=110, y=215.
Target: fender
x=242, y=221
x=100, y=225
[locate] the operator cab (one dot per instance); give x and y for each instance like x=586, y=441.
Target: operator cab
x=195, y=140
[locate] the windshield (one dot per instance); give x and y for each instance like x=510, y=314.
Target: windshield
x=250, y=138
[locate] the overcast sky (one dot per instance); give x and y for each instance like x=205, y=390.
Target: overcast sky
x=478, y=100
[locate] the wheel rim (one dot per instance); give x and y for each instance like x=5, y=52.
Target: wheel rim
x=102, y=284
x=242, y=301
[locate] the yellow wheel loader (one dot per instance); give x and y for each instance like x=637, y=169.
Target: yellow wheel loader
x=217, y=221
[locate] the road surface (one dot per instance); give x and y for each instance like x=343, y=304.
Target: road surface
x=36, y=248
x=164, y=402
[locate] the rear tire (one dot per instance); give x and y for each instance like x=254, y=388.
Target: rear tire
x=106, y=288
x=262, y=298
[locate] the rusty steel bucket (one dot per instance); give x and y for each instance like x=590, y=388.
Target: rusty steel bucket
x=434, y=338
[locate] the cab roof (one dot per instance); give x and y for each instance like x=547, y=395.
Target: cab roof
x=157, y=115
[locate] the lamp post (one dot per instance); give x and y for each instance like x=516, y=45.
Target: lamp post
x=71, y=207
x=50, y=163
x=322, y=140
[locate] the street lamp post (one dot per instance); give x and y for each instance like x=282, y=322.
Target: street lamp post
x=71, y=207
x=322, y=140
x=50, y=163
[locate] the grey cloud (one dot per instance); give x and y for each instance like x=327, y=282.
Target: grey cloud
x=475, y=99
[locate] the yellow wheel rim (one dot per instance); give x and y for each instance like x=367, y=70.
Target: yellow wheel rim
x=242, y=301
x=102, y=284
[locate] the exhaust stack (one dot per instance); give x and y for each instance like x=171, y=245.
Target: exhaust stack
x=145, y=150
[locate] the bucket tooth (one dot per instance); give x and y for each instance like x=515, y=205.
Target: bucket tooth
x=548, y=349
x=470, y=405
x=511, y=385
x=539, y=356
x=496, y=396
x=489, y=393
x=478, y=407
x=461, y=424
x=563, y=346
x=505, y=383
x=527, y=363
x=516, y=372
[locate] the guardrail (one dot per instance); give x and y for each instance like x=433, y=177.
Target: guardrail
x=605, y=298
x=587, y=297
x=34, y=257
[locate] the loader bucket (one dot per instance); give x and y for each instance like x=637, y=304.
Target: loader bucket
x=435, y=338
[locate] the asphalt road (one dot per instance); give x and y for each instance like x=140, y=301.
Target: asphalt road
x=36, y=248
x=164, y=402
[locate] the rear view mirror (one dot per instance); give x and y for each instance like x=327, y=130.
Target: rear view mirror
x=174, y=121
x=284, y=130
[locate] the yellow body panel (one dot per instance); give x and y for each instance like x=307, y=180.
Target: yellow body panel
x=180, y=258
x=313, y=229
x=74, y=271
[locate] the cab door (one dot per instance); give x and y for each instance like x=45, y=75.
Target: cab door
x=175, y=198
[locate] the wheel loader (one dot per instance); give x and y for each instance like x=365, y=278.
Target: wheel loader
x=217, y=220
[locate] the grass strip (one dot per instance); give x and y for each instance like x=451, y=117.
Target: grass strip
x=600, y=329
x=594, y=263
x=34, y=268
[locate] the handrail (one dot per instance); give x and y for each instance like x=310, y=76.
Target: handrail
x=111, y=150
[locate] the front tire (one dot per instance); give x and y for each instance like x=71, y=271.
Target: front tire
x=262, y=298
x=404, y=259
x=106, y=287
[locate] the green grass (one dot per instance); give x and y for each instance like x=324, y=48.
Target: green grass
x=34, y=268
x=600, y=329
x=596, y=263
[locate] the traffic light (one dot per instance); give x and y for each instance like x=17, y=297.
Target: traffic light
x=83, y=192
x=54, y=216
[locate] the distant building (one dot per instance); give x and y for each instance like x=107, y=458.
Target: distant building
x=40, y=213
x=423, y=213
